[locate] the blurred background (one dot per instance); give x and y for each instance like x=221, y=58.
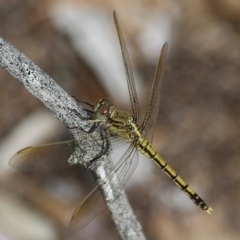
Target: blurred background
x=198, y=127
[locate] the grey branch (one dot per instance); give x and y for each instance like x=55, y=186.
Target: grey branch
x=74, y=117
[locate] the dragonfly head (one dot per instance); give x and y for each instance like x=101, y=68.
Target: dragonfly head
x=103, y=110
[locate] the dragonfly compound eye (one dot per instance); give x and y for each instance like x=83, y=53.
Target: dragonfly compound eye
x=102, y=112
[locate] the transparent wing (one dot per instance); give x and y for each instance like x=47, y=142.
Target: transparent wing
x=117, y=142
x=94, y=203
x=129, y=72
x=127, y=165
x=44, y=157
x=154, y=98
x=90, y=208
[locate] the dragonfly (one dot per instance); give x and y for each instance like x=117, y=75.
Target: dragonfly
x=122, y=128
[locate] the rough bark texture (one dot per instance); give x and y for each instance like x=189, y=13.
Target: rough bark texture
x=91, y=140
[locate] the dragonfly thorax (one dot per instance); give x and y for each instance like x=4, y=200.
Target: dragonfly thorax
x=134, y=132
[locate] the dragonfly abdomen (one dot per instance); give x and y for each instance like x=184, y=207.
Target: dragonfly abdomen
x=146, y=149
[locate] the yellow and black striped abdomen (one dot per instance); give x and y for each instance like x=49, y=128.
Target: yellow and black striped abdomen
x=146, y=149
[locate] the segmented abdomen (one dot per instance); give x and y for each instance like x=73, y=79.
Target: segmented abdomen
x=146, y=149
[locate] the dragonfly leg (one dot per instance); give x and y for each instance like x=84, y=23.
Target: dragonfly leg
x=105, y=149
x=91, y=130
x=75, y=98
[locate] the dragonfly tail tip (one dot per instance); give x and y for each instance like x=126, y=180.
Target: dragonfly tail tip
x=209, y=210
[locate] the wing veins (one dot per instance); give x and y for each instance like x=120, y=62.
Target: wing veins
x=154, y=98
x=129, y=72
x=94, y=203
x=43, y=157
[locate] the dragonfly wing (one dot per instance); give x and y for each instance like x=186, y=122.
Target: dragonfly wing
x=90, y=208
x=117, y=142
x=154, y=98
x=94, y=203
x=129, y=72
x=127, y=165
x=43, y=157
